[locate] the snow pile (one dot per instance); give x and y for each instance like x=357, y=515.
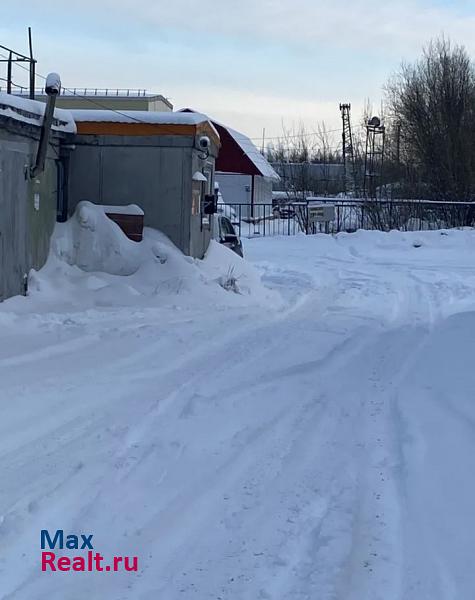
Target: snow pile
x=93, y=263
x=238, y=275
x=89, y=241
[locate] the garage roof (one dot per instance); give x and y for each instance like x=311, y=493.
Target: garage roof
x=142, y=123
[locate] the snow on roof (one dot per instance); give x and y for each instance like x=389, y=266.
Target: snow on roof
x=32, y=111
x=252, y=152
x=247, y=146
x=138, y=116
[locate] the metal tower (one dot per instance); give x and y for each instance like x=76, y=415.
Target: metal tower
x=374, y=158
x=349, y=162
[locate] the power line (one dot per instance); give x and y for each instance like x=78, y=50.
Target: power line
x=318, y=149
x=302, y=135
x=297, y=135
x=13, y=83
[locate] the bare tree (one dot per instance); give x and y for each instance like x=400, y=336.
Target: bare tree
x=303, y=159
x=432, y=107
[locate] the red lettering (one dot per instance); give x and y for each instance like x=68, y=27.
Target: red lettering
x=98, y=558
x=79, y=564
x=64, y=563
x=48, y=558
x=135, y=564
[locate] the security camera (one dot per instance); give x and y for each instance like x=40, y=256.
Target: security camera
x=204, y=142
x=53, y=84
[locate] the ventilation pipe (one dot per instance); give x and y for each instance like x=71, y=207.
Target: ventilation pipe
x=52, y=89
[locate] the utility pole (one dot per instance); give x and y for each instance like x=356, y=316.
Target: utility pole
x=263, y=140
x=32, y=66
x=9, y=73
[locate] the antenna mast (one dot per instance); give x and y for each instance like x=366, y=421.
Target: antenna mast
x=349, y=162
x=374, y=157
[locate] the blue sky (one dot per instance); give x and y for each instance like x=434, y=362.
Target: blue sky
x=250, y=63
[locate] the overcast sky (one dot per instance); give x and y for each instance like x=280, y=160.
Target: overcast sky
x=249, y=63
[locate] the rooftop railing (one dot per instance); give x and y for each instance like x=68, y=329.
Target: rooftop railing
x=85, y=91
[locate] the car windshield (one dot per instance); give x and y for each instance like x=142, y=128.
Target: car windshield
x=226, y=227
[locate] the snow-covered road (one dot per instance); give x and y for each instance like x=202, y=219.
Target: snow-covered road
x=323, y=449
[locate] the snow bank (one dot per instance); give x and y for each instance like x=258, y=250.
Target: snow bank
x=233, y=273
x=89, y=242
x=93, y=263
x=328, y=270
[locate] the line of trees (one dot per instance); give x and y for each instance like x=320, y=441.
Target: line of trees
x=431, y=123
x=306, y=161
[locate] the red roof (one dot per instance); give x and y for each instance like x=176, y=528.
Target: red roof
x=238, y=154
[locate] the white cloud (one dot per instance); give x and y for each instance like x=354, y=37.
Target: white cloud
x=386, y=27
x=330, y=51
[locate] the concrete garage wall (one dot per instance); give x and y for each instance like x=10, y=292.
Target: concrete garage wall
x=25, y=231
x=153, y=172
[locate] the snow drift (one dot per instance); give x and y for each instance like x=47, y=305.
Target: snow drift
x=93, y=263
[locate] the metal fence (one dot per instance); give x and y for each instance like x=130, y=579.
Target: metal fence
x=349, y=215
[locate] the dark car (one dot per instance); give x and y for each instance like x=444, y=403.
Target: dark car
x=283, y=211
x=226, y=234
